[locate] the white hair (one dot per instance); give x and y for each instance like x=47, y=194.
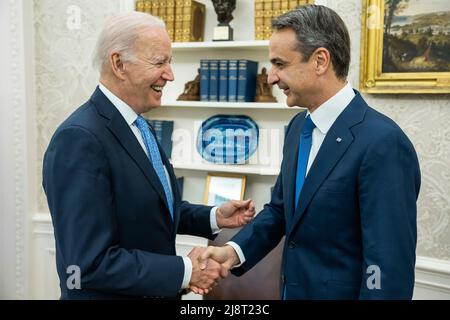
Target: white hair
x=119, y=35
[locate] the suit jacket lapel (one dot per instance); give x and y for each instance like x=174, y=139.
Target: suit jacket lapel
x=329, y=154
x=118, y=126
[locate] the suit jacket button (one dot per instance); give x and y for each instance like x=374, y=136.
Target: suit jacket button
x=292, y=245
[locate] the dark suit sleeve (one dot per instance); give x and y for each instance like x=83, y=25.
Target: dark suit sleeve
x=389, y=181
x=263, y=234
x=78, y=186
x=195, y=220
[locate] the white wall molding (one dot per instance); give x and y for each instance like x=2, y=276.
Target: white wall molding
x=432, y=275
x=42, y=217
x=13, y=143
x=432, y=265
x=19, y=128
x=42, y=225
x=432, y=279
x=19, y=143
x=44, y=278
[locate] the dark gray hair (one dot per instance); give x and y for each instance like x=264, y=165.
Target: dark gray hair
x=318, y=26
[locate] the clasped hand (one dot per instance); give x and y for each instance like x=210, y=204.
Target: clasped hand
x=211, y=264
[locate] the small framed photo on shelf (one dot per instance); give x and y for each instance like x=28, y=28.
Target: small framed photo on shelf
x=223, y=187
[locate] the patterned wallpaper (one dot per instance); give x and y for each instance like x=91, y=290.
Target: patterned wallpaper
x=65, y=79
x=425, y=119
x=65, y=36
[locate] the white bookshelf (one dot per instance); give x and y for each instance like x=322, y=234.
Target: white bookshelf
x=271, y=118
x=250, y=45
x=227, y=105
x=243, y=169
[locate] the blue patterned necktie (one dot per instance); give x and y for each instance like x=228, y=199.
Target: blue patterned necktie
x=155, y=157
x=303, y=155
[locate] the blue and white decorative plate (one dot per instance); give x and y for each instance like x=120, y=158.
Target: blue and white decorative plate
x=227, y=139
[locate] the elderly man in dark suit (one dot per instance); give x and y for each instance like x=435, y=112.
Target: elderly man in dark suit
x=111, y=190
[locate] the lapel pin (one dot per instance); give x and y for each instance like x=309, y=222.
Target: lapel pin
x=338, y=139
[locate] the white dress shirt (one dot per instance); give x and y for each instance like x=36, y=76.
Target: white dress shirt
x=130, y=117
x=323, y=117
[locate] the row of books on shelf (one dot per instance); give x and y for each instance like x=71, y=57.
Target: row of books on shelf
x=266, y=10
x=184, y=19
x=228, y=80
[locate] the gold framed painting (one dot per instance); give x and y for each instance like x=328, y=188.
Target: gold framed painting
x=405, y=46
x=223, y=187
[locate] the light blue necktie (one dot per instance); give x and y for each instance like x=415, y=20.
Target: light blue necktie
x=303, y=155
x=155, y=157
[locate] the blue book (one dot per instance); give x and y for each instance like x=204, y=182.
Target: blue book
x=213, y=80
x=163, y=131
x=232, y=80
x=180, y=181
x=223, y=80
x=247, y=70
x=204, y=80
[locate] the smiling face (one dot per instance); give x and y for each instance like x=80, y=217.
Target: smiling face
x=296, y=78
x=145, y=76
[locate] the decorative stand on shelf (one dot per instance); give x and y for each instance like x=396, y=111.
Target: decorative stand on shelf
x=191, y=89
x=263, y=88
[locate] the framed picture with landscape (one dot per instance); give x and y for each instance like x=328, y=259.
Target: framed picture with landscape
x=223, y=187
x=405, y=46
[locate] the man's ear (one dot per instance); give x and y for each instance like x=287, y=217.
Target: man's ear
x=117, y=65
x=322, y=60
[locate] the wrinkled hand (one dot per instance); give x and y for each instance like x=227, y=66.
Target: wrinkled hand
x=225, y=255
x=235, y=213
x=203, y=279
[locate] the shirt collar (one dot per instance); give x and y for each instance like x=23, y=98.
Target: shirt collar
x=326, y=114
x=125, y=110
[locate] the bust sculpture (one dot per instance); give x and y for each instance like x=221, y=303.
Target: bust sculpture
x=223, y=9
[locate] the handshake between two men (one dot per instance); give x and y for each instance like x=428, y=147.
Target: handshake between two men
x=211, y=264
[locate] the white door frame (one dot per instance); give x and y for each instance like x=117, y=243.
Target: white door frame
x=15, y=171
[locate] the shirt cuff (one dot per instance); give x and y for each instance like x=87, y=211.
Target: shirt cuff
x=239, y=252
x=213, y=221
x=187, y=272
